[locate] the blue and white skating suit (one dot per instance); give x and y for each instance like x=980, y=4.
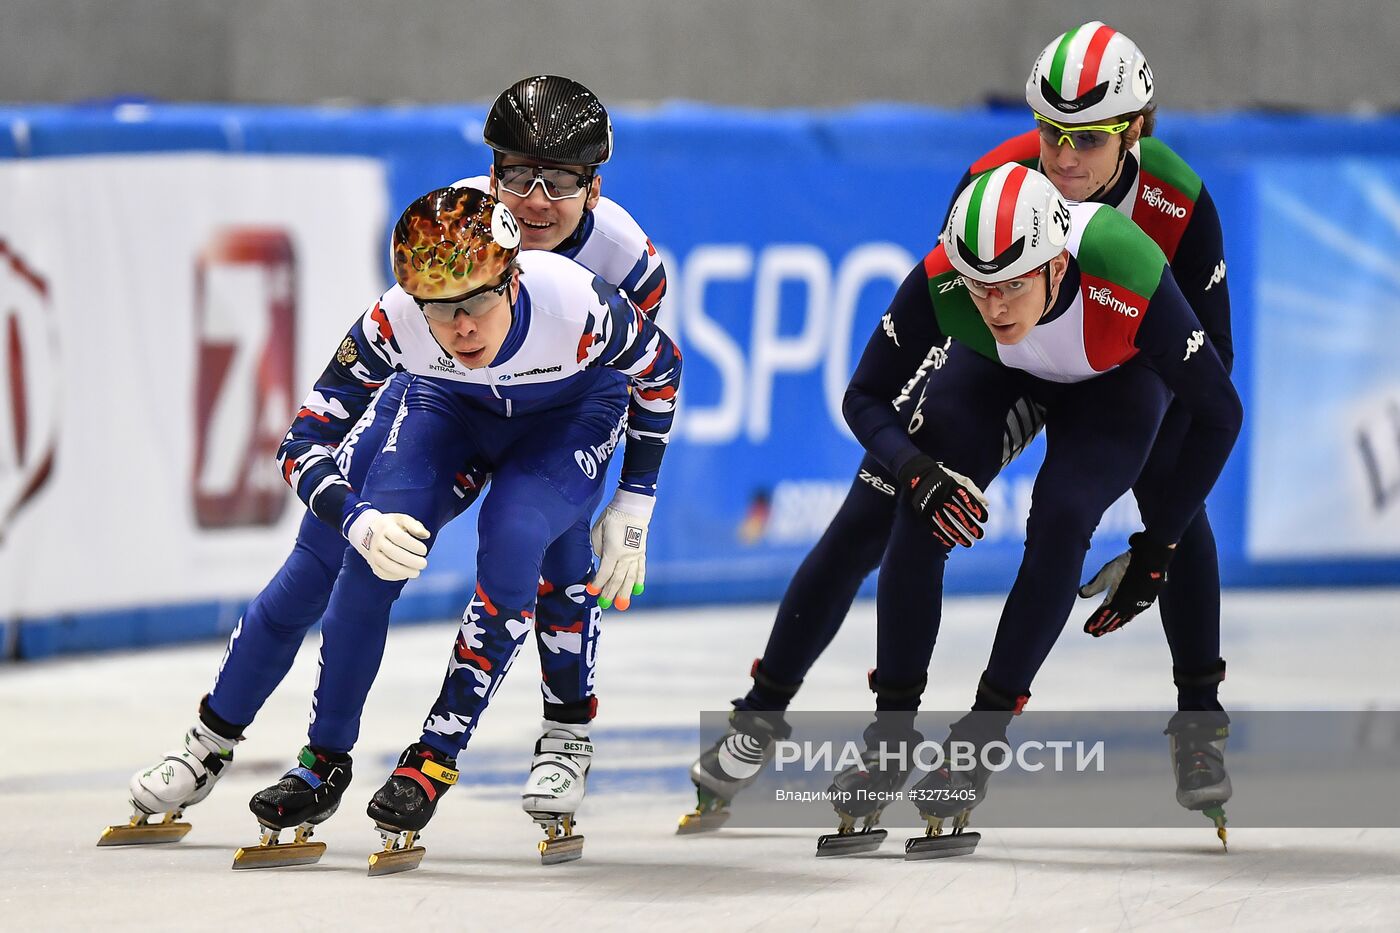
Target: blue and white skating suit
x=571, y=337
x=558, y=350
x=611, y=244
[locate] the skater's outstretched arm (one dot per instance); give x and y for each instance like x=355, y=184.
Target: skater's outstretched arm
x=365, y=359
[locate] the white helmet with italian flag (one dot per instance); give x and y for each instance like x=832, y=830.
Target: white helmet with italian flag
x=1005, y=224
x=1091, y=74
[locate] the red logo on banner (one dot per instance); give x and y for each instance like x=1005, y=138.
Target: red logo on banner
x=245, y=325
x=29, y=408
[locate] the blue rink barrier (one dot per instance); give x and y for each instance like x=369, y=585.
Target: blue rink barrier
x=785, y=234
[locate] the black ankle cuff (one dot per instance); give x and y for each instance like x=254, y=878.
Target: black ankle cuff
x=768, y=685
x=991, y=698
x=895, y=697
x=335, y=758
x=217, y=724
x=1212, y=675
x=580, y=712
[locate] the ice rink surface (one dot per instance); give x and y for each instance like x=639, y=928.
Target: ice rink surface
x=73, y=730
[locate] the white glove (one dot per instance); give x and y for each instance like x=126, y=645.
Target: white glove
x=620, y=541
x=389, y=543
x=1107, y=579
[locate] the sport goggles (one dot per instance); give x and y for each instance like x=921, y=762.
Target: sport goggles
x=1011, y=288
x=474, y=305
x=1078, y=137
x=560, y=184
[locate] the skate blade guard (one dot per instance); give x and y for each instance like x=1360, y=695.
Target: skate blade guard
x=139, y=831
x=850, y=843
x=921, y=848
x=398, y=855
x=271, y=852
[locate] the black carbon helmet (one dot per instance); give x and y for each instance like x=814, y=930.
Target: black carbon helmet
x=552, y=119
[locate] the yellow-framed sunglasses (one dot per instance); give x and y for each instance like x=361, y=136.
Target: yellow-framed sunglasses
x=1078, y=137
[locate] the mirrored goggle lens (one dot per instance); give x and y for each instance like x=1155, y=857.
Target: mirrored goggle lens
x=473, y=306
x=560, y=184
x=1077, y=139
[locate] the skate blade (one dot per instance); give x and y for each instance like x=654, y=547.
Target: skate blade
x=1216, y=815
x=836, y=844
x=698, y=822
x=921, y=848
x=279, y=855
x=561, y=849
x=143, y=834
x=393, y=861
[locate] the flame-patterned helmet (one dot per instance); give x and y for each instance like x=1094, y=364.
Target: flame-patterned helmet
x=1006, y=223
x=452, y=242
x=552, y=119
x=1091, y=74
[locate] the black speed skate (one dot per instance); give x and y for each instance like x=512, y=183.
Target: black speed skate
x=305, y=797
x=948, y=794
x=1197, y=743
x=730, y=765
x=861, y=792
x=951, y=791
x=404, y=805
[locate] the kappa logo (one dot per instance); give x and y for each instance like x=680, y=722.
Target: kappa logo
x=1194, y=343
x=1105, y=296
x=1216, y=277
x=887, y=322
x=1155, y=197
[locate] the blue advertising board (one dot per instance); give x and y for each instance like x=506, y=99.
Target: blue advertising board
x=785, y=234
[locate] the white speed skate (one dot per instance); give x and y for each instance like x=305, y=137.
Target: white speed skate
x=181, y=779
x=555, y=788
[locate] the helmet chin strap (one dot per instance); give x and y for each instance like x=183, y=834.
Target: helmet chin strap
x=1112, y=180
x=1123, y=148
x=1050, y=293
x=577, y=232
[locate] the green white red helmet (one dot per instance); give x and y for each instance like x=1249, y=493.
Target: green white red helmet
x=1006, y=223
x=1091, y=74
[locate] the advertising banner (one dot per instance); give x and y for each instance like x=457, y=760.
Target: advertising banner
x=175, y=278
x=1325, y=446
x=161, y=318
